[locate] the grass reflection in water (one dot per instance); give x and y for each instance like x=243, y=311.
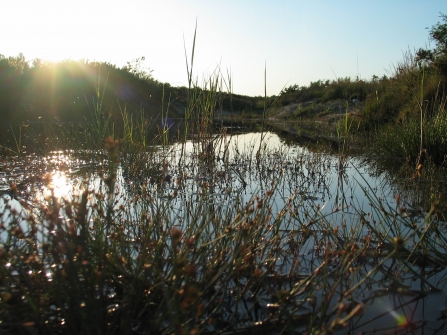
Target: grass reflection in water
x=158, y=242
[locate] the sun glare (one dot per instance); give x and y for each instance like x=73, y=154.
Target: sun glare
x=55, y=30
x=58, y=185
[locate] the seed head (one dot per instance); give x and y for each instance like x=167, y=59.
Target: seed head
x=176, y=234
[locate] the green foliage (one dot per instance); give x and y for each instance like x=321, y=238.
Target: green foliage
x=402, y=141
x=46, y=93
x=137, y=68
x=437, y=57
x=141, y=255
x=342, y=88
x=290, y=89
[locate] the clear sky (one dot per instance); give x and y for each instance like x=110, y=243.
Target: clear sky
x=299, y=41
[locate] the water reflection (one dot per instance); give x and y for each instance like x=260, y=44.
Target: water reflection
x=57, y=184
x=343, y=191
x=316, y=195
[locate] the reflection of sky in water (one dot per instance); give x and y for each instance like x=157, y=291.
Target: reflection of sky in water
x=324, y=187
x=311, y=182
x=314, y=181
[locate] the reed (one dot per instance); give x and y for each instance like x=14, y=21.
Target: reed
x=407, y=140
x=193, y=255
x=170, y=239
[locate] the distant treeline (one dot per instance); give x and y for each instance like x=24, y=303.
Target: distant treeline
x=69, y=91
x=41, y=92
x=38, y=92
x=383, y=99
x=417, y=83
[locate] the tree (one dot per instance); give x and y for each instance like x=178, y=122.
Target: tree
x=438, y=33
x=438, y=56
x=137, y=68
x=290, y=89
x=19, y=63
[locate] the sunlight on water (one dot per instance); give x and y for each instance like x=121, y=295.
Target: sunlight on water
x=323, y=206
x=58, y=185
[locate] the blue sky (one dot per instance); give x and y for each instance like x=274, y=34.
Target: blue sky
x=299, y=41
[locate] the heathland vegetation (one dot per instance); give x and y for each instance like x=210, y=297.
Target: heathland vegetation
x=106, y=230
x=405, y=110
x=408, y=104
x=38, y=92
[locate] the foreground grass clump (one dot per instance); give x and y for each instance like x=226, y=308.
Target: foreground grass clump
x=162, y=238
x=187, y=254
x=406, y=141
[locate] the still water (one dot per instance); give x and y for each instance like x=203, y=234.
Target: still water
x=322, y=190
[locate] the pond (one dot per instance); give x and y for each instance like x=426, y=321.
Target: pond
x=280, y=238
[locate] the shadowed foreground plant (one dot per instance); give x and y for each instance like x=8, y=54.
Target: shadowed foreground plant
x=110, y=260
x=165, y=240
